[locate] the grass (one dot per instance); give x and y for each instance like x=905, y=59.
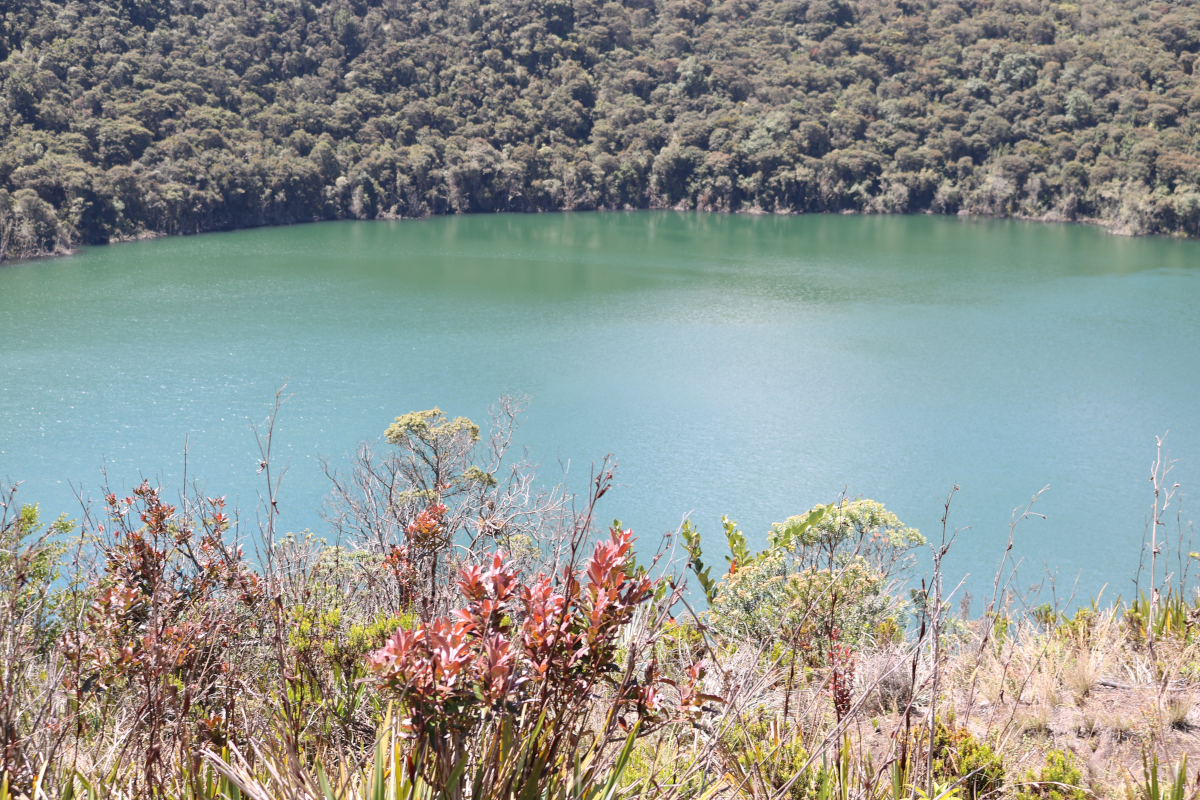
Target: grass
x=1081, y=673
x=1178, y=706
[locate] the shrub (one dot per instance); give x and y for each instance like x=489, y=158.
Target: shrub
x=520, y=656
x=440, y=486
x=1059, y=779
x=957, y=754
x=29, y=566
x=172, y=599
x=823, y=572
x=664, y=765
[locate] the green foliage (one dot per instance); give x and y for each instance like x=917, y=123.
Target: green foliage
x=383, y=772
x=799, y=531
x=753, y=604
x=783, y=536
x=361, y=639
x=430, y=428
x=29, y=566
x=1172, y=617
x=182, y=116
x=1045, y=615
x=1152, y=788
x=739, y=553
x=437, y=451
x=958, y=754
x=473, y=474
x=826, y=571
x=1081, y=624
x=1001, y=625
x=691, y=543
x=330, y=653
x=324, y=635
x=660, y=765
x=681, y=644
x=393, y=770
x=853, y=529
x=30, y=630
x=1059, y=779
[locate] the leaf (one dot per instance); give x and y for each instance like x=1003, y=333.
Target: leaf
x=737, y=543
x=618, y=769
x=691, y=543
x=784, y=535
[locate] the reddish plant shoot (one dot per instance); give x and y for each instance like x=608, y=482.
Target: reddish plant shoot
x=513, y=644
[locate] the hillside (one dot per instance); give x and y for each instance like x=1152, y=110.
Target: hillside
x=121, y=119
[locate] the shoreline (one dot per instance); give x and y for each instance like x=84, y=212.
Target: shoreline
x=1046, y=219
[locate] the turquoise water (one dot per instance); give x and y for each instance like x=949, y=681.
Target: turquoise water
x=749, y=366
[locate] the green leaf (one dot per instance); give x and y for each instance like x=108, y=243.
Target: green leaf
x=691, y=543
x=737, y=543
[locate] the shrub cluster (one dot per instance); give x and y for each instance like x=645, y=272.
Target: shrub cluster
x=121, y=118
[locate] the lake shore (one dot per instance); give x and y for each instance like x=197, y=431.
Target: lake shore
x=1048, y=218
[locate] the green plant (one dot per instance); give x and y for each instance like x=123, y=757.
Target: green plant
x=433, y=497
x=691, y=543
x=1045, y=615
x=1081, y=625
x=958, y=755
x=681, y=643
x=497, y=767
x=823, y=571
x=1152, y=788
x=1058, y=779
x=664, y=764
x=1172, y=617
x=766, y=756
x=29, y=627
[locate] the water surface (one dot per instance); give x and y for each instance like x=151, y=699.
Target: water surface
x=749, y=366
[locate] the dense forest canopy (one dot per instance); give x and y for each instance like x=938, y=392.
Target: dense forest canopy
x=120, y=118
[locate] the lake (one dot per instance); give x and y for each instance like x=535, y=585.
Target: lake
x=740, y=365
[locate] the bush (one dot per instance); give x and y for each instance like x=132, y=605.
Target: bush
x=1059, y=779
x=30, y=627
x=517, y=659
x=824, y=578
x=957, y=753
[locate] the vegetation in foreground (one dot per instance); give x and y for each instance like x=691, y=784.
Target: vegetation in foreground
x=123, y=118
x=467, y=636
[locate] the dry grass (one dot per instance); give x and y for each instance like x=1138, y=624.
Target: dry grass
x=1036, y=720
x=1177, y=708
x=1081, y=673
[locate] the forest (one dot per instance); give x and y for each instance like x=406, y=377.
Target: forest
x=129, y=118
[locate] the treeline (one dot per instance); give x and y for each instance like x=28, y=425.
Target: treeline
x=121, y=118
